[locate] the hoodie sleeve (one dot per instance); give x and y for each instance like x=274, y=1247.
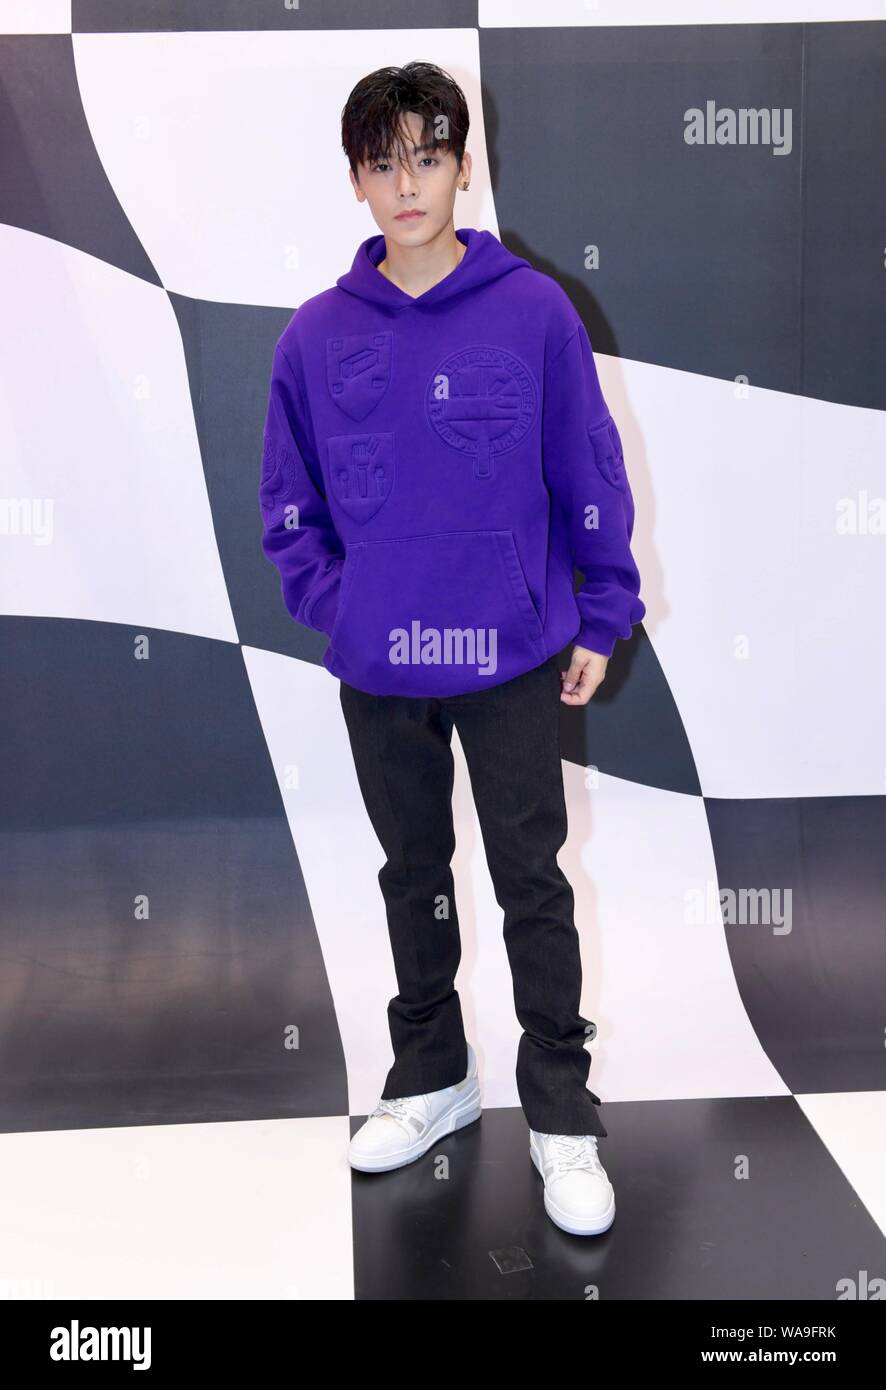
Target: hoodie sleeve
x=298, y=535
x=585, y=471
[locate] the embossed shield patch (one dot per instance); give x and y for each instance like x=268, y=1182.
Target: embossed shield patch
x=361, y=472
x=358, y=371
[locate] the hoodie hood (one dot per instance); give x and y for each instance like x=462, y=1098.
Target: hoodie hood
x=484, y=261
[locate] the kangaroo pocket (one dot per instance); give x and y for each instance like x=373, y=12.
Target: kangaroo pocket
x=434, y=614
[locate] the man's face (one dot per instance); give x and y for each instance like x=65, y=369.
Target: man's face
x=424, y=182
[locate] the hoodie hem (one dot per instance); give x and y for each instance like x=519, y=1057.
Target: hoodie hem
x=561, y=635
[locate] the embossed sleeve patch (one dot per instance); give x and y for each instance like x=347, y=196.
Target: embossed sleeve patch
x=277, y=474
x=608, y=452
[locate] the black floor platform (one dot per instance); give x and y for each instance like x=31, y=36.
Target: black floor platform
x=466, y=1221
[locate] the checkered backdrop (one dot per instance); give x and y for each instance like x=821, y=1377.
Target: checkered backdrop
x=192, y=926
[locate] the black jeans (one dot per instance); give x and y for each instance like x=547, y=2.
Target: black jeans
x=403, y=757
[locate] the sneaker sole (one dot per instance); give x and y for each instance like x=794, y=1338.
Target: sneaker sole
x=574, y=1226
x=465, y=1112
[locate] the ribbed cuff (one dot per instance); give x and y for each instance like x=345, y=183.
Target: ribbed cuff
x=595, y=639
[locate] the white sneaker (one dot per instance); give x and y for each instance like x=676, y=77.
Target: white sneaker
x=400, y=1131
x=579, y=1197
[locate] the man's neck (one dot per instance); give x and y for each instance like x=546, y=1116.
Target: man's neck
x=416, y=269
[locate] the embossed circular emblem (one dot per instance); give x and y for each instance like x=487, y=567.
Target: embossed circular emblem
x=481, y=401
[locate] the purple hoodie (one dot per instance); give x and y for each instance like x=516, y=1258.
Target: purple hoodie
x=434, y=466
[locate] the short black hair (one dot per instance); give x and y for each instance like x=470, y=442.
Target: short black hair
x=371, y=121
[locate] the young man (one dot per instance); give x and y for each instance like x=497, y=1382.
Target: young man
x=437, y=456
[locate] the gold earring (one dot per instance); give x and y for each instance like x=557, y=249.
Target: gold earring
x=465, y=187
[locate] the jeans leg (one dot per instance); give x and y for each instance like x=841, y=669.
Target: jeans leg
x=403, y=758
x=511, y=737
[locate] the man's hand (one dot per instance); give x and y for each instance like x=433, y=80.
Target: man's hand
x=586, y=671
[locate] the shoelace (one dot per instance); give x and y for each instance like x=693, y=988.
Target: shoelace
x=576, y=1151
x=407, y=1109
x=401, y=1109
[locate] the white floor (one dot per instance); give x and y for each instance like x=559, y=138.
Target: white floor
x=254, y=1209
